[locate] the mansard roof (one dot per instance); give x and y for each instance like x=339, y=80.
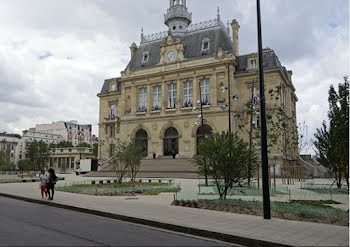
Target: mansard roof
x=192, y=47
x=271, y=61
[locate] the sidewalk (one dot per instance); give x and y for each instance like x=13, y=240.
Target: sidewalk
x=156, y=211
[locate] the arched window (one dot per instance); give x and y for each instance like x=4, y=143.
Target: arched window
x=171, y=142
x=141, y=139
x=205, y=46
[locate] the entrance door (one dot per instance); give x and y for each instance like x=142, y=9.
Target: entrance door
x=171, y=142
x=141, y=139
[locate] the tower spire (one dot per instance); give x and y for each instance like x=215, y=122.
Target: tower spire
x=218, y=15
x=177, y=17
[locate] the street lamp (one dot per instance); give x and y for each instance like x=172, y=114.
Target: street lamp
x=264, y=156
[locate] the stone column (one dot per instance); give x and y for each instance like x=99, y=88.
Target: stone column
x=134, y=96
x=164, y=96
x=179, y=94
x=195, y=83
x=214, y=90
x=149, y=98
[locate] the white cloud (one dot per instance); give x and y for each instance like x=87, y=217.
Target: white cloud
x=81, y=43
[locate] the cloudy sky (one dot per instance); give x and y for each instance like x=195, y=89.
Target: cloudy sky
x=55, y=55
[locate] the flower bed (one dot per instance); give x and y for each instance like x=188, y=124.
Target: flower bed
x=310, y=211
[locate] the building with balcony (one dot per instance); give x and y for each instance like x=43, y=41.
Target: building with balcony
x=30, y=136
x=70, y=131
x=173, y=74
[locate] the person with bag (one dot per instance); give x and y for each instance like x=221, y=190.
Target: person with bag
x=51, y=181
x=43, y=181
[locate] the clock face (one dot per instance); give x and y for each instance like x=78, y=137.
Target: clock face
x=171, y=56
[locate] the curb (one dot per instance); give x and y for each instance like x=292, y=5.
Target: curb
x=176, y=228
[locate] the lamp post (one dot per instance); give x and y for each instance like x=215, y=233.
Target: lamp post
x=264, y=156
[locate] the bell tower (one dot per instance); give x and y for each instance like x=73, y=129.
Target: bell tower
x=177, y=17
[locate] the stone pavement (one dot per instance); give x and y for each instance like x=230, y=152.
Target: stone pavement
x=244, y=229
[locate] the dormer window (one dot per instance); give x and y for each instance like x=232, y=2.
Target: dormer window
x=253, y=64
x=112, y=87
x=145, y=57
x=205, y=46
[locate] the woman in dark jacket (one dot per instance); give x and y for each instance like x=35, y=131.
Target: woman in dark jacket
x=51, y=181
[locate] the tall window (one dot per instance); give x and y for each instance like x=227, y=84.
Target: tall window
x=256, y=120
x=111, y=150
x=205, y=91
x=256, y=96
x=112, y=131
x=172, y=92
x=188, y=94
x=157, y=98
x=112, y=110
x=143, y=99
x=253, y=64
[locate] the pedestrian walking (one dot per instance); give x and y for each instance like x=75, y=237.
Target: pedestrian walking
x=43, y=182
x=51, y=181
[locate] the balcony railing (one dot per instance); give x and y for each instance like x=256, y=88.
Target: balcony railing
x=111, y=119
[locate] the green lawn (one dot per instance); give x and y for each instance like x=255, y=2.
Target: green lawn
x=124, y=189
x=311, y=211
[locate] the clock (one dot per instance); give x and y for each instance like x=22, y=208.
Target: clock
x=171, y=56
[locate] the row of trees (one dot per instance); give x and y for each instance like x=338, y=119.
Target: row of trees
x=5, y=164
x=332, y=139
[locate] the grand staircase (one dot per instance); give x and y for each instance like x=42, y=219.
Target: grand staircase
x=164, y=167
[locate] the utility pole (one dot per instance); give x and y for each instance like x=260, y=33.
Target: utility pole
x=264, y=157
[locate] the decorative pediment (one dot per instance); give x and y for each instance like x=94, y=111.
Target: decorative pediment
x=171, y=40
x=171, y=49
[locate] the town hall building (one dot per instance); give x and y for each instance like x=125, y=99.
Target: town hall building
x=175, y=75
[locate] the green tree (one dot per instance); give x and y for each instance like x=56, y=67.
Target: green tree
x=26, y=165
x=332, y=142
x=201, y=160
x=228, y=158
x=38, y=153
x=4, y=161
x=95, y=149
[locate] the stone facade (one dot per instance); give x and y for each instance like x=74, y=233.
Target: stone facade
x=9, y=144
x=69, y=158
x=30, y=136
x=158, y=98
x=70, y=131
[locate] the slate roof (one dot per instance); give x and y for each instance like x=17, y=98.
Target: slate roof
x=105, y=87
x=271, y=61
x=192, y=47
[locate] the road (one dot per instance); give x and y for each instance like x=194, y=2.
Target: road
x=28, y=224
